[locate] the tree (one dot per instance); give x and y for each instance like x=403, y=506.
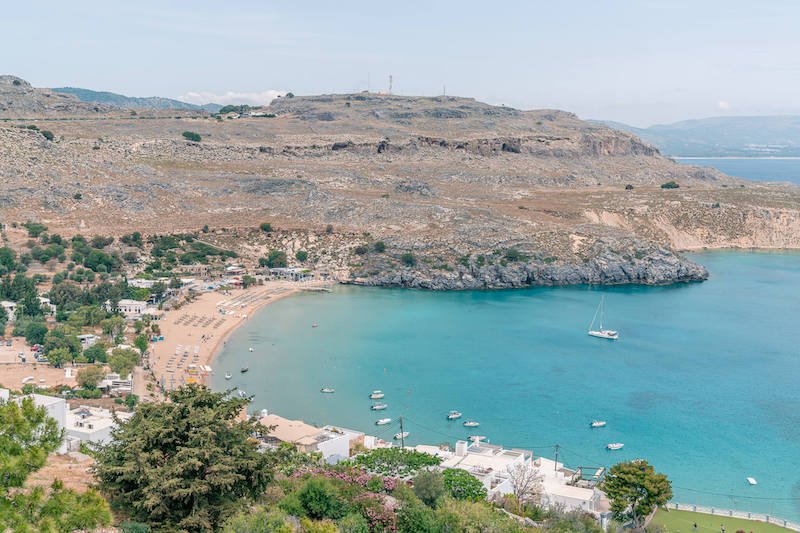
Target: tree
x=301, y=255
x=379, y=247
x=408, y=259
x=122, y=360
x=266, y=227
x=113, y=326
x=526, y=483
x=88, y=377
x=33, y=331
x=635, y=490
x=320, y=499
x=27, y=436
x=429, y=487
x=96, y=353
x=462, y=485
x=141, y=343
x=47, y=134
x=276, y=259
x=186, y=464
x=58, y=356
x=360, y=250
x=192, y=136
x=670, y=185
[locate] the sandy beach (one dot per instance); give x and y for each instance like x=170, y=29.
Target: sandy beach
x=194, y=333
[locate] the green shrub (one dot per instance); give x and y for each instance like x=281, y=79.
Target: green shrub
x=266, y=227
x=669, y=185
x=301, y=256
x=462, y=485
x=360, y=250
x=379, y=247
x=192, y=136
x=429, y=487
x=408, y=259
x=275, y=259
x=47, y=134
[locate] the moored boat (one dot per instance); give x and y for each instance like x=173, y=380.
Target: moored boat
x=614, y=446
x=244, y=369
x=471, y=424
x=752, y=480
x=477, y=438
x=402, y=435
x=251, y=348
x=228, y=375
x=602, y=333
x=242, y=394
x=598, y=423
x=453, y=415
x=376, y=395
x=327, y=390
x=383, y=421
x=379, y=406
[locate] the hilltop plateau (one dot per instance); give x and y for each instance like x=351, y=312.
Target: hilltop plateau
x=461, y=193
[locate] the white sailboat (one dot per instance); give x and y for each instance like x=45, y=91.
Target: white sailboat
x=602, y=332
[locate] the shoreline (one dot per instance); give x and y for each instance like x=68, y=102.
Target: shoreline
x=195, y=333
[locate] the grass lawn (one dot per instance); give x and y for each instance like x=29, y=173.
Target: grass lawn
x=683, y=522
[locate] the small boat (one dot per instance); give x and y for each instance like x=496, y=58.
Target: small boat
x=327, y=390
x=379, y=406
x=244, y=369
x=752, y=481
x=383, y=421
x=251, y=348
x=602, y=333
x=376, y=395
x=477, y=438
x=598, y=423
x=614, y=446
x=402, y=435
x=242, y=394
x=471, y=424
x=228, y=375
x=314, y=325
x=453, y=415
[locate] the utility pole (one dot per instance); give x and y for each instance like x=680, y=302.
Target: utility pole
x=402, y=436
x=555, y=467
x=390, y=84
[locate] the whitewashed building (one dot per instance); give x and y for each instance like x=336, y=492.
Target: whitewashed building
x=131, y=309
x=92, y=424
x=11, y=310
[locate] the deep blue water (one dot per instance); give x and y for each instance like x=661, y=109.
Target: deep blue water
x=751, y=168
x=704, y=381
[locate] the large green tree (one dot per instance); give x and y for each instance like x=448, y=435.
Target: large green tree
x=184, y=464
x=635, y=490
x=27, y=435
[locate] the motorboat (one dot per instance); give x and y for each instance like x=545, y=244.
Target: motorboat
x=471, y=424
x=376, y=395
x=453, y=415
x=228, y=375
x=242, y=394
x=314, y=325
x=244, y=369
x=402, y=435
x=251, y=348
x=327, y=390
x=477, y=438
x=602, y=333
x=598, y=423
x=379, y=406
x=383, y=421
x=614, y=446
x=752, y=481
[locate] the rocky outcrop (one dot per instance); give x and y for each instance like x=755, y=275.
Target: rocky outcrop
x=19, y=99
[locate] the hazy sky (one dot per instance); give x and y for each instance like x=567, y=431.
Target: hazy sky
x=637, y=62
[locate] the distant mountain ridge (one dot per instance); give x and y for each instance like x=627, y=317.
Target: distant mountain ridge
x=133, y=102
x=748, y=136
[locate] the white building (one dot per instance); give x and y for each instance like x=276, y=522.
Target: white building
x=11, y=310
x=333, y=443
x=92, y=424
x=88, y=339
x=47, y=307
x=132, y=309
x=56, y=409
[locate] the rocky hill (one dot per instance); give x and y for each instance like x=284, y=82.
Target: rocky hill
x=133, y=102
x=460, y=194
x=19, y=99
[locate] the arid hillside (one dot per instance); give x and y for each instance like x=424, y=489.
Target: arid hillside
x=462, y=193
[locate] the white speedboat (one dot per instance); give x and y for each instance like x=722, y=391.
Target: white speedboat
x=228, y=375
x=602, y=333
x=314, y=325
x=251, y=348
x=614, y=446
x=471, y=424
x=453, y=415
x=327, y=390
x=752, y=481
x=383, y=421
x=242, y=394
x=244, y=369
x=598, y=423
x=379, y=406
x=402, y=435
x=376, y=395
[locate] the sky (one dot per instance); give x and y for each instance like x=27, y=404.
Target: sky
x=639, y=62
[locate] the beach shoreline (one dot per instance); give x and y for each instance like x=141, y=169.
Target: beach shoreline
x=195, y=333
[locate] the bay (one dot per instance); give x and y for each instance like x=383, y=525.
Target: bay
x=751, y=168
x=704, y=381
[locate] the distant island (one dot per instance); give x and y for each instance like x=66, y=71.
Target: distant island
x=756, y=136
x=133, y=102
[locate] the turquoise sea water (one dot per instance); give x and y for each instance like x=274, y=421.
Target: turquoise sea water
x=704, y=381
x=751, y=168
